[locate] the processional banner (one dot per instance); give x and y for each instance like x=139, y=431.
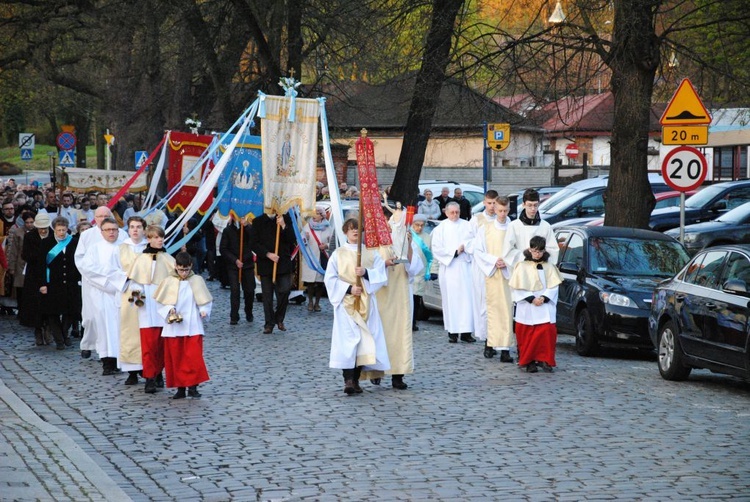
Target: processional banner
x=184, y=151
x=377, y=231
x=243, y=177
x=290, y=154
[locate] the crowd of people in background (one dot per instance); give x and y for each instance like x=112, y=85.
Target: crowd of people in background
x=77, y=267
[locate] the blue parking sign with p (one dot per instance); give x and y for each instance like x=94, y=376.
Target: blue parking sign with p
x=499, y=135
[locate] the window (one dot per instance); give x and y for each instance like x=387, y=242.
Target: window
x=574, y=252
x=737, y=197
x=706, y=271
x=738, y=268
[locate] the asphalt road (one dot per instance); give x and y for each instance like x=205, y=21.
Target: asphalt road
x=274, y=424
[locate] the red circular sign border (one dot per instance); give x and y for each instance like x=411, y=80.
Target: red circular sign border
x=674, y=152
x=59, y=140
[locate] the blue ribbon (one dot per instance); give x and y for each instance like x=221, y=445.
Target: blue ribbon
x=177, y=245
x=306, y=254
x=427, y=254
x=56, y=251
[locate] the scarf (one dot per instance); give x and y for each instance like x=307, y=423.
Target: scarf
x=426, y=252
x=527, y=221
x=56, y=251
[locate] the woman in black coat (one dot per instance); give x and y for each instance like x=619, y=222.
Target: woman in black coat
x=33, y=253
x=61, y=292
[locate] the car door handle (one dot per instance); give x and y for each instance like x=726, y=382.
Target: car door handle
x=711, y=306
x=679, y=298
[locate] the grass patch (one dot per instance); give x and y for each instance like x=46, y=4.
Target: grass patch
x=40, y=160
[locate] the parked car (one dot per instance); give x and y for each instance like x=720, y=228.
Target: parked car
x=699, y=318
x=733, y=227
x=663, y=199
x=708, y=204
x=585, y=203
x=609, y=274
x=516, y=199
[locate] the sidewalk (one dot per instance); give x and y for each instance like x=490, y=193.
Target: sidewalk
x=39, y=462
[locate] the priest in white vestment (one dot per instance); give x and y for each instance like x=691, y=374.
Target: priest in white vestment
x=107, y=280
x=357, y=339
x=449, y=242
x=89, y=294
x=488, y=252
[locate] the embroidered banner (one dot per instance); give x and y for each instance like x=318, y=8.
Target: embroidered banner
x=377, y=231
x=290, y=154
x=244, y=175
x=184, y=151
x=79, y=179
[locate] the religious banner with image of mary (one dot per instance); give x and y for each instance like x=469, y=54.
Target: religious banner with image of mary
x=290, y=153
x=244, y=195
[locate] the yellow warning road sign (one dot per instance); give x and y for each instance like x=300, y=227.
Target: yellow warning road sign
x=685, y=108
x=684, y=135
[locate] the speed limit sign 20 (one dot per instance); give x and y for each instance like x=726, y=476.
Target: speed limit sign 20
x=684, y=168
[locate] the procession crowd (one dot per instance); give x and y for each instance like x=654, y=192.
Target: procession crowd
x=78, y=269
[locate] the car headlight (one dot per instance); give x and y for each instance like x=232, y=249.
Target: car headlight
x=616, y=299
x=688, y=238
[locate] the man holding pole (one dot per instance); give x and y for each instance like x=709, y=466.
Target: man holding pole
x=237, y=252
x=272, y=239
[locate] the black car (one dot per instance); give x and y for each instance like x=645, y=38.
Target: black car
x=699, y=318
x=708, y=204
x=609, y=274
x=732, y=227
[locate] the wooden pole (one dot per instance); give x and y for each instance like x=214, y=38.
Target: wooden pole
x=276, y=252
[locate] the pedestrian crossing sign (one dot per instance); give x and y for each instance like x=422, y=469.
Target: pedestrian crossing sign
x=67, y=158
x=141, y=156
x=26, y=153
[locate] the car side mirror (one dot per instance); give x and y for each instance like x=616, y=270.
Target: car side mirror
x=568, y=267
x=719, y=205
x=736, y=286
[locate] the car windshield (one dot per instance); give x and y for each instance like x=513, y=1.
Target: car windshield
x=739, y=214
x=555, y=199
x=629, y=256
x=704, y=196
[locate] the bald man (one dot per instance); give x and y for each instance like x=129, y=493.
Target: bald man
x=89, y=294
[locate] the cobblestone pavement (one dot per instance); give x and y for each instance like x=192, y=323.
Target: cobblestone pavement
x=274, y=424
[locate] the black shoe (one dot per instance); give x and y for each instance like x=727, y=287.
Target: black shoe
x=60, y=346
x=357, y=388
x=466, y=337
x=452, y=338
x=489, y=352
x=108, y=371
x=180, y=394
x=151, y=387
x=250, y=318
x=233, y=322
x=85, y=354
x=375, y=381
x=531, y=367
x=193, y=391
x=397, y=382
x=267, y=330
x=159, y=381
x=546, y=367
x=349, y=387
x=505, y=356
x=132, y=378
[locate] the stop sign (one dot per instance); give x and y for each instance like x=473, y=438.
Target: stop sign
x=571, y=150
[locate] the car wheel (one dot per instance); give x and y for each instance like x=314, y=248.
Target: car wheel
x=671, y=364
x=586, y=343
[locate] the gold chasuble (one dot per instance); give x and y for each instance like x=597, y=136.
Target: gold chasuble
x=394, y=301
x=526, y=276
x=143, y=269
x=347, y=262
x=498, y=295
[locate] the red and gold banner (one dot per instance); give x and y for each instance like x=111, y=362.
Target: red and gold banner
x=377, y=231
x=184, y=151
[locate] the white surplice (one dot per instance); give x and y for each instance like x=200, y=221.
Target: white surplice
x=478, y=221
x=519, y=235
x=455, y=274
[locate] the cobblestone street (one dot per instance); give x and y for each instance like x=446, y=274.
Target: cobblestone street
x=274, y=424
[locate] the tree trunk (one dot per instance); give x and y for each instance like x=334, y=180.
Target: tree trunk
x=634, y=59
x=424, y=102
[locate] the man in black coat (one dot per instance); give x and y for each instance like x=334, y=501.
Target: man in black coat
x=61, y=292
x=463, y=204
x=234, y=262
x=263, y=237
x=443, y=201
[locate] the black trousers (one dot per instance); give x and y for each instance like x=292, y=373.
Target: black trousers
x=282, y=287
x=248, y=290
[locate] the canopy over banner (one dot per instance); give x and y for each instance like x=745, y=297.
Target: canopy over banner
x=290, y=146
x=184, y=151
x=87, y=180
